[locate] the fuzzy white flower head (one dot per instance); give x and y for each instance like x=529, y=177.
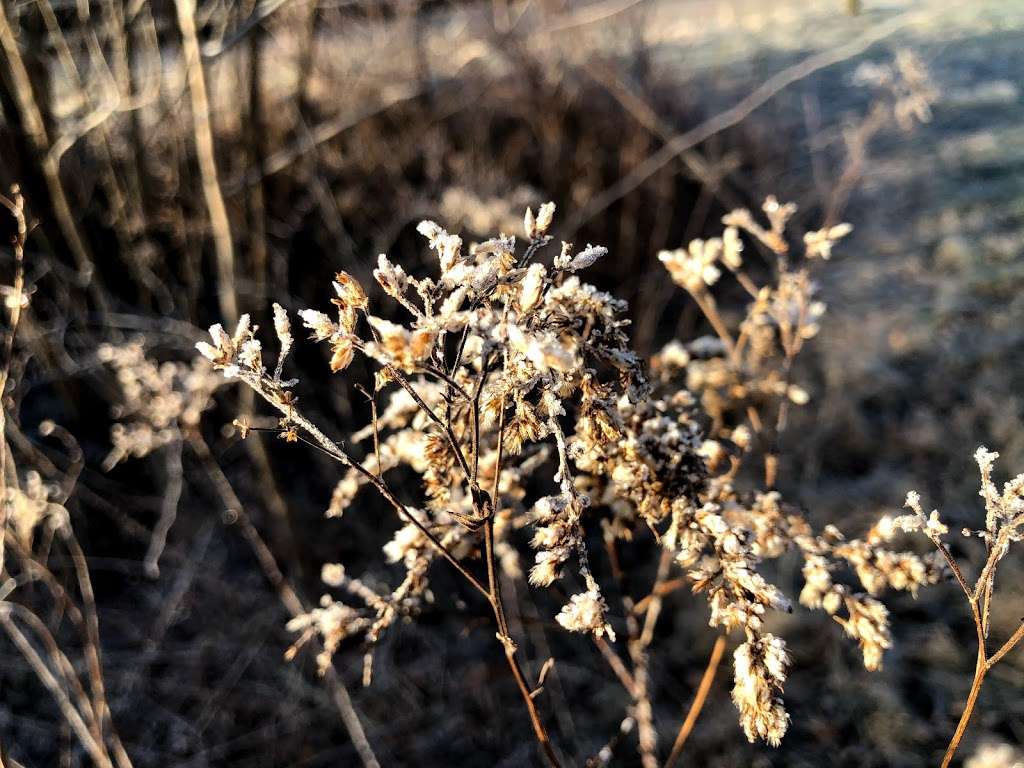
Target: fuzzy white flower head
x=995, y=756
x=585, y=613
x=985, y=458
x=819, y=244
x=693, y=268
x=406, y=544
x=760, y=668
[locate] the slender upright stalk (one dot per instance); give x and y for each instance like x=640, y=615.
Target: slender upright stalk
x=207, y=163
x=980, y=668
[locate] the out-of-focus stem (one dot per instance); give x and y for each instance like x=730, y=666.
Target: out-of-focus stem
x=698, y=701
x=207, y=163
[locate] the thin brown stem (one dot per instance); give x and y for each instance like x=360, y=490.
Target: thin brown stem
x=510, y=648
x=615, y=662
x=524, y=690
x=498, y=607
x=1006, y=648
x=706, y=303
x=956, y=572
x=492, y=577
x=980, y=668
x=698, y=701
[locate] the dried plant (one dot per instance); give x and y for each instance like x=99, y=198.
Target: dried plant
x=34, y=524
x=1004, y=525
x=507, y=366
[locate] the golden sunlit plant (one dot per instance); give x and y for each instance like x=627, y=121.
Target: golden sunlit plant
x=1004, y=525
x=509, y=369
x=35, y=525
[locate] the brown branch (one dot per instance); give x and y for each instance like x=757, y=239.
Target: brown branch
x=615, y=662
x=979, y=677
x=1006, y=648
x=698, y=701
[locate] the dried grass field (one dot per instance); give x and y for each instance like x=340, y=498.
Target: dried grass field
x=523, y=382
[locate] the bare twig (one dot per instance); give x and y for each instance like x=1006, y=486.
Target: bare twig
x=698, y=701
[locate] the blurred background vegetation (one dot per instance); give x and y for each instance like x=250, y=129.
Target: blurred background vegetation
x=186, y=163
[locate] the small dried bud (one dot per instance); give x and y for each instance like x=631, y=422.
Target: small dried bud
x=587, y=257
x=537, y=226
x=532, y=287
x=341, y=353
x=251, y=355
x=448, y=247
x=282, y=326
x=333, y=574
x=819, y=244
x=544, y=218
x=321, y=325
x=208, y=351
x=564, y=256
x=391, y=277
x=350, y=292
x=732, y=248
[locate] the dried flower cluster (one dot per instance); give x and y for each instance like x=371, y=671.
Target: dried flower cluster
x=506, y=369
x=158, y=400
x=1004, y=525
x=30, y=504
x=908, y=84
x=744, y=383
